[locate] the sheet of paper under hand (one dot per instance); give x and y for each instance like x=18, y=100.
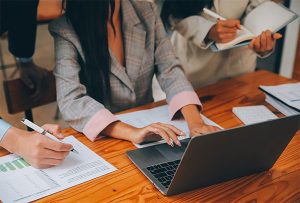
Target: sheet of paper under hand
x=20, y=182
x=159, y=114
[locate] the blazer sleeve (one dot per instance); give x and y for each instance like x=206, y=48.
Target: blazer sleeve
x=169, y=72
x=79, y=110
x=195, y=29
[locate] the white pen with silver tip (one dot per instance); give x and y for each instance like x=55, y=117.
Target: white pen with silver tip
x=42, y=131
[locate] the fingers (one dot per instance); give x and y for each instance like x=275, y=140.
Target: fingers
x=54, y=130
x=50, y=154
x=203, y=130
x=230, y=23
x=277, y=36
x=169, y=132
x=269, y=41
x=161, y=133
x=227, y=37
x=264, y=42
x=56, y=146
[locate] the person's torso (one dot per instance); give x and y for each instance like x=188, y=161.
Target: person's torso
x=202, y=66
x=131, y=83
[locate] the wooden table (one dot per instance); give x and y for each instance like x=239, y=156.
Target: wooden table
x=128, y=184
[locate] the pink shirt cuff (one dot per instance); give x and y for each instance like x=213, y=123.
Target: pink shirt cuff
x=98, y=123
x=183, y=99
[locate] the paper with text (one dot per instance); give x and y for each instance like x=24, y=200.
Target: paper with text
x=20, y=182
x=287, y=93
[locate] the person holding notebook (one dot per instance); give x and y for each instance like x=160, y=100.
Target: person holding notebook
x=36, y=149
x=107, y=52
x=194, y=33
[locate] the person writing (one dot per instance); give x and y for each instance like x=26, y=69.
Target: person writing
x=193, y=32
x=107, y=53
x=38, y=150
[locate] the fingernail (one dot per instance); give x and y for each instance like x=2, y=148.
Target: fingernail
x=178, y=143
x=182, y=133
x=172, y=143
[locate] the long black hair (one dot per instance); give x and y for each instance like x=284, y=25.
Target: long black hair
x=182, y=9
x=89, y=19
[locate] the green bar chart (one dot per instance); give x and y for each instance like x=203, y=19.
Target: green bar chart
x=14, y=165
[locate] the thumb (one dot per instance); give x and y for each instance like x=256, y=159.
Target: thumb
x=277, y=36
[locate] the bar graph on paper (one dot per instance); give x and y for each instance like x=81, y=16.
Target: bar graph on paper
x=14, y=165
x=21, y=181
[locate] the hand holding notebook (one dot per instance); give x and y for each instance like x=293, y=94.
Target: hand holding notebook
x=267, y=16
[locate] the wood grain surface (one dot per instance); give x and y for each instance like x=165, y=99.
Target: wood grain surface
x=128, y=184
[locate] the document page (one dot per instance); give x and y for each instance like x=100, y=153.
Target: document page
x=287, y=93
x=143, y=118
x=20, y=182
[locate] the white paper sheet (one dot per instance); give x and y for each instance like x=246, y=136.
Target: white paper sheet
x=284, y=109
x=159, y=114
x=20, y=182
x=287, y=93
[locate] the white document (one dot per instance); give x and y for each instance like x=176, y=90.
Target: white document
x=143, y=118
x=284, y=109
x=20, y=182
x=253, y=114
x=287, y=93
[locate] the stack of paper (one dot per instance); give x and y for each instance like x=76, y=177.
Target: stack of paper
x=20, y=182
x=160, y=114
x=285, y=98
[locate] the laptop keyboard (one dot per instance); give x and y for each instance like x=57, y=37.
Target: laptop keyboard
x=164, y=172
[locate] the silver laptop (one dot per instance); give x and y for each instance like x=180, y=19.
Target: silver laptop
x=213, y=158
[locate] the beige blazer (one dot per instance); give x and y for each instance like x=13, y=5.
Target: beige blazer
x=201, y=65
x=148, y=52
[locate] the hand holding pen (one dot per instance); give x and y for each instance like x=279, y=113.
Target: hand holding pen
x=225, y=30
x=42, y=131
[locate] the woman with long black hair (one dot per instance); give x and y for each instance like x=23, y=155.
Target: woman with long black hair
x=193, y=33
x=107, y=52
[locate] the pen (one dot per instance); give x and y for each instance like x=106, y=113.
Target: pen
x=217, y=16
x=40, y=130
x=213, y=14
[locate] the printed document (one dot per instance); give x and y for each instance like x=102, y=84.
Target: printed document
x=20, y=182
x=289, y=94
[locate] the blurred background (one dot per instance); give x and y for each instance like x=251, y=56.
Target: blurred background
x=285, y=60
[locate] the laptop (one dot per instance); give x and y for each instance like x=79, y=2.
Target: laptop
x=216, y=157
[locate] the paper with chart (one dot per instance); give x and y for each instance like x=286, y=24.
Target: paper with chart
x=287, y=93
x=159, y=114
x=20, y=182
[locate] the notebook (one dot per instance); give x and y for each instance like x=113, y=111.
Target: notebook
x=253, y=114
x=267, y=16
x=288, y=94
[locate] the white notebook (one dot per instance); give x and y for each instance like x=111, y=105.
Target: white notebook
x=253, y=114
x=267, y=16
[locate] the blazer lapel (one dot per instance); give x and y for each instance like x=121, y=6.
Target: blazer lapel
x=120, y=71
x=134, y=37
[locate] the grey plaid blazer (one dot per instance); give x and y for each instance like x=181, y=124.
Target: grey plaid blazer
x=148, y=51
